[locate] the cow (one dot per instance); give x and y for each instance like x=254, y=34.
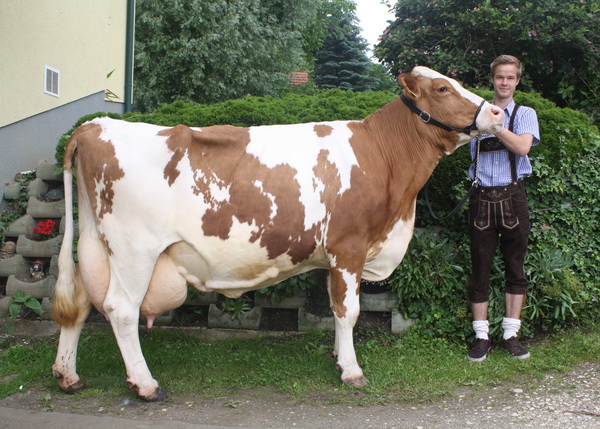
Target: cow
x=233, y=209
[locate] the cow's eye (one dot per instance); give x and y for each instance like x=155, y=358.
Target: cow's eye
x=442, y=89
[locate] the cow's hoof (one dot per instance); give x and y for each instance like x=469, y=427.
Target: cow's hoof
x=66, y=385
x=354, y=382
x=73, y=388
x=159, y=394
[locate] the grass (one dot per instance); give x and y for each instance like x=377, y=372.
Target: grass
x=406, y=369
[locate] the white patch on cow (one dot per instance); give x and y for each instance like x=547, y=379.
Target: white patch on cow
x=298, y=146
x=134, y=134
x=259, y=185
x=380, y=266
x=219, y=193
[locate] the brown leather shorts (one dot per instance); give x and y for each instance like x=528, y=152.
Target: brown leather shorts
x=498, y=215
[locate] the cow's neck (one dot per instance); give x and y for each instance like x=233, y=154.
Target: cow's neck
x=410, y=148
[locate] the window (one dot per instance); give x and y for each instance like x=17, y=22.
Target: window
x=51, y=81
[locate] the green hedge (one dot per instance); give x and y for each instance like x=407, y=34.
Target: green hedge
x=563, y=256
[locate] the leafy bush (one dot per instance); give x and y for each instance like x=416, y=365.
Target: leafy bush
x=291, y=287
x=431, y=285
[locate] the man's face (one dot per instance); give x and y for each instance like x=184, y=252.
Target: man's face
x=505, y=80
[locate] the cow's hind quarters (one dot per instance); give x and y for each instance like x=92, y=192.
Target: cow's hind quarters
x=356, y=382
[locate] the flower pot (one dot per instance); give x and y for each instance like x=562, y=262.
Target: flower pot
x=385, y=301
x=45, y=209
x=5, y=303
x=22, y=226
x=45, y=171
x=200, y=298
x=14, y=265
x=400, y=324
x=218, y=318
x=311, y=322
x=35, y=188
x=38, y=289
x=290, y=302
x=38, y=249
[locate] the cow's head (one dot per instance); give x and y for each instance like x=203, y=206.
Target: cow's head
x=445, y=100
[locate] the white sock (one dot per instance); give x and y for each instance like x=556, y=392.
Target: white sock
x=511, y=327
x=482, y=329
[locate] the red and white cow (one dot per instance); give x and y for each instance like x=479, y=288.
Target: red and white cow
x=232, y=209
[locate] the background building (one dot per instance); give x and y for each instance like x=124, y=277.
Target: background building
x=59, y=60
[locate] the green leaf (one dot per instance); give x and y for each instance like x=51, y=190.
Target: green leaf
x=34, y=305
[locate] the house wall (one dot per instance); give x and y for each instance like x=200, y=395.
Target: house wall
x=24, y=143
x=84, y=40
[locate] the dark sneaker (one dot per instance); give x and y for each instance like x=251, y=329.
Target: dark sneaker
x=479, y=350
x=514, y=347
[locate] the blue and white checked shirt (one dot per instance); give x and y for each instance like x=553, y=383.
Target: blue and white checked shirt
x=494, y=167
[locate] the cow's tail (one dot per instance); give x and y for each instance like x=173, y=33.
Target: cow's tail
x=69, y=294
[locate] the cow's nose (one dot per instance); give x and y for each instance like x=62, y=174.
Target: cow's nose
x=497, y=112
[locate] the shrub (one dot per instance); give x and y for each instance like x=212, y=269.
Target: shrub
x=431, y=285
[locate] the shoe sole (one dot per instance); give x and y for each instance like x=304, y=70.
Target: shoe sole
x=482, y=358
x=476, y=359
x=521, y=357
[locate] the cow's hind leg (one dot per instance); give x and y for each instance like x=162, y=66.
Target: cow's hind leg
x=343, y=293
x=65, y=366
x=128, y=286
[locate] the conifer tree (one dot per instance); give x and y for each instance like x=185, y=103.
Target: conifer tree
x=342, y=62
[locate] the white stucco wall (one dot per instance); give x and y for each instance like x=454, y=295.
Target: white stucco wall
x=83, y=39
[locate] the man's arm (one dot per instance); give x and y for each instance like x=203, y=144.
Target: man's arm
x=517, y=144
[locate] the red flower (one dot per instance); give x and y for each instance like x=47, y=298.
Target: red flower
x=45, y=228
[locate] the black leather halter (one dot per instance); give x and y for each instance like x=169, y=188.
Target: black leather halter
x=428, y=119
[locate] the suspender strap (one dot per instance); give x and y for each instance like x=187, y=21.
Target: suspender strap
x=511, y=156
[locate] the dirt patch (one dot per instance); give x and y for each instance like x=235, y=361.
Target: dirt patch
x=566, y=400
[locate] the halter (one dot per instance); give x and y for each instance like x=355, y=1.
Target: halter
x=428, y=119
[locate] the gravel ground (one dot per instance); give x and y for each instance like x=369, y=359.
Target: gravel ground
x=562, y=401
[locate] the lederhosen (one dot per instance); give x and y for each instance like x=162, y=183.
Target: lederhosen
x=498, y=214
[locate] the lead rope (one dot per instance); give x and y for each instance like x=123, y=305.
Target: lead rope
x=465, y=198
x=476, y=181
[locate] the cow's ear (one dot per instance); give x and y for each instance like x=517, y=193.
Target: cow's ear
x=410, y=84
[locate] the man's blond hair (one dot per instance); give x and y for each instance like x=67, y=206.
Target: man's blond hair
x=507, y=59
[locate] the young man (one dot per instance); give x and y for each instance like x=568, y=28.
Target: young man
x=498, y=211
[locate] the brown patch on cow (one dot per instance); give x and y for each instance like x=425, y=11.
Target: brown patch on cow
x=323, y=130
x=328, y=174
x=104, y=240
x=171, y=173
x=338, y=289
x=218, y=158
x=99, y=165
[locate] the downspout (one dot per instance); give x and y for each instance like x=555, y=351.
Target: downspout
x=129, y=43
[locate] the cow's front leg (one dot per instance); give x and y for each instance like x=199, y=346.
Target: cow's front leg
x=343, y=294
